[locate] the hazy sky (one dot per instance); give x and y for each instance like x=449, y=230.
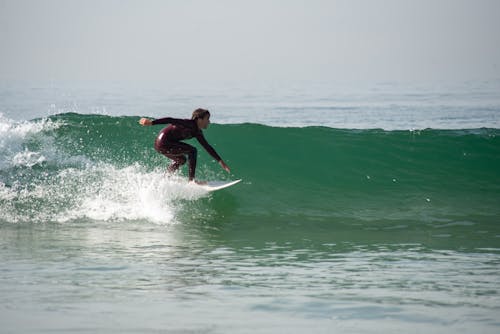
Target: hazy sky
x=351, y=40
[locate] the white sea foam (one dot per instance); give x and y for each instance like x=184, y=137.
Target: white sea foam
x=15, y=135
x=100, y=192
x=131, y=193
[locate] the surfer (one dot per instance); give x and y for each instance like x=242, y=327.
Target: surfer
x=169, y=140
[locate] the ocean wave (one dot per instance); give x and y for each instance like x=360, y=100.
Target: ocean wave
x=74, y=166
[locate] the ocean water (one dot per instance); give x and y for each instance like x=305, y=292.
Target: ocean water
x=363, y=209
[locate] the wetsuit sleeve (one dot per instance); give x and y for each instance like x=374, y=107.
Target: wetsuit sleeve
x=174, y=121
x=166, y=120
x=206, y=145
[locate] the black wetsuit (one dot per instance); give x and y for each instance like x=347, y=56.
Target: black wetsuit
x=169, y=143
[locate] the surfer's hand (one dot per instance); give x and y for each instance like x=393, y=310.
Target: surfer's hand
x=145, y=122
x=224, y=166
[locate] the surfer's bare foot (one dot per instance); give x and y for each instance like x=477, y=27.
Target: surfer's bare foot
x=200, y=183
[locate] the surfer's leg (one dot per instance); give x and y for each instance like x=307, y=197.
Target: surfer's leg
x=192, y=155
x=177, y=152
x=177, y=162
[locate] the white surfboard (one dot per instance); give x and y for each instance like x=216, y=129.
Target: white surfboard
x=218, y=185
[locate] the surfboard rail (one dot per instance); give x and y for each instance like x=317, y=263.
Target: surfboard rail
x=218, y=185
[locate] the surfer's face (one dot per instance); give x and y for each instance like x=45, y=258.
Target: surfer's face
x=203, y=122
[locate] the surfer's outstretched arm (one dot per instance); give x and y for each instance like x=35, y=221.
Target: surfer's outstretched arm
x=167, y=120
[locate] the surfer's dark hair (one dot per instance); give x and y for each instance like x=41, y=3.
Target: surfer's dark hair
x=200, y=113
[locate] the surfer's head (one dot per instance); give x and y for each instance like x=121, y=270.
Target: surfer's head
x=202, y=118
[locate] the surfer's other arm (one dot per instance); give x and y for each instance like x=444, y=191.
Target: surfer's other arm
x=224, y=166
